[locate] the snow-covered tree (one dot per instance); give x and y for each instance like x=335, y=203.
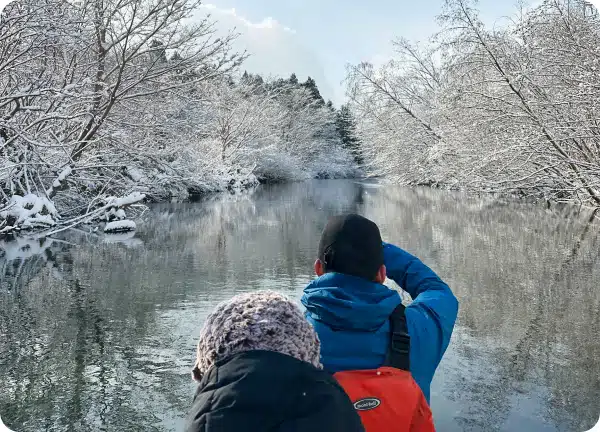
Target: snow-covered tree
x=509, y=109
x=346, y=127
x=276, y=129
x=74, y=75
x=105, y=100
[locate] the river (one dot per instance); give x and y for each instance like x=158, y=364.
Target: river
x=98, y=333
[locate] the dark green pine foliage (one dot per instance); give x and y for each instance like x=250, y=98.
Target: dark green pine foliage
x=258, y=80
x=346, y=127
x=311, y=85
x=254, y=80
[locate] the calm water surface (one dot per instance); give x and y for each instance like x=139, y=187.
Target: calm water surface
x=98, y=333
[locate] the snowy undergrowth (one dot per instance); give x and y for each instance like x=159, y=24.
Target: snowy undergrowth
x=32, y=213
x=338, y=164
x=28, y=212
x=279, y=167
x=85, y=201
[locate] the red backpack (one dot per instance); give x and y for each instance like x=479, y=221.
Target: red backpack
x=388, y=398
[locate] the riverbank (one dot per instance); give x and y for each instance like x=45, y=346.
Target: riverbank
x=534, y=195
x=119, y=216
x=38, y=215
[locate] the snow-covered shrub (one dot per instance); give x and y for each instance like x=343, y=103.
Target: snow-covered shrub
x=334, y=162
x=112, y=211
x=273, y=167
x=28, y=212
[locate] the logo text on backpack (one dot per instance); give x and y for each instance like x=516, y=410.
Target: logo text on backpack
x=367, y=404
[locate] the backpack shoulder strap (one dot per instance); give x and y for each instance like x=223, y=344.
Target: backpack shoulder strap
x=398, y=353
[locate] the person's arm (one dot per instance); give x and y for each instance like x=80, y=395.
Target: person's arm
x=434, y=305
x=411, y=274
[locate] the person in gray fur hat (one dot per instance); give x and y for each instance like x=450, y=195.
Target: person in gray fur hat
x=258, y=369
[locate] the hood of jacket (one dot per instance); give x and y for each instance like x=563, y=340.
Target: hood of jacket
x=269, y=391
x=347, y=302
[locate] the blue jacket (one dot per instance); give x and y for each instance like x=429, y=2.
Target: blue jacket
x=351, y=316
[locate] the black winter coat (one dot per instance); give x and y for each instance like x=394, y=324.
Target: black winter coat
x=260, y=391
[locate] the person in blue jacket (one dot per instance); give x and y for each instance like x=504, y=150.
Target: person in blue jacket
x=349, y=306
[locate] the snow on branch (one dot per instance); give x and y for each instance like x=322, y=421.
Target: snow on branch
x=120, y=226
x=57, y=183
x=128, y=200
x=137, y=104
x=27, y=212
x=506, y=110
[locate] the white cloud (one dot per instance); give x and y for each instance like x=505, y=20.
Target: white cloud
x=275, y=49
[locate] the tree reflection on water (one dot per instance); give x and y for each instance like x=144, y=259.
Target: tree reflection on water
x=98, y=333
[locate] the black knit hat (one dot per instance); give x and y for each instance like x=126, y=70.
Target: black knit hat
x=351, y=244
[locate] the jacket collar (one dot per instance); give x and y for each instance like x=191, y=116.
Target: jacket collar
x=346, y=302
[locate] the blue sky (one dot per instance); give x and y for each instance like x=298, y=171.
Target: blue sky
x=319, y=37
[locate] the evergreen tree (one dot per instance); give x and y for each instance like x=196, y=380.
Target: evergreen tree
x=330, y=105
x=346, y=127
x=258, y=80
x=311, y=85
x=293, y=79
x=279, y=84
